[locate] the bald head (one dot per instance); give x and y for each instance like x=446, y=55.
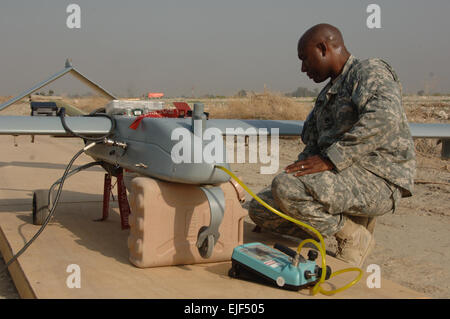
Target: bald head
x=322, y=52
x=322, y=33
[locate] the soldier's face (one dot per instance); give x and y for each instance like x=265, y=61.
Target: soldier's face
x=314, y=61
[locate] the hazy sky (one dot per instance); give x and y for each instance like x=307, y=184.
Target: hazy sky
x=215, y=46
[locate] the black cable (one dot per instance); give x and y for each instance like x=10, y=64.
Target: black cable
x=72, y=172
x=62, y=116
x=50, y=215
x=99, y=110
x=66, y=174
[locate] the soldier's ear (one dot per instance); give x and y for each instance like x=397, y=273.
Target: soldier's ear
x=322, y=48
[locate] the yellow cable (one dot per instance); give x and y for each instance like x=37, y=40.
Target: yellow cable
x=320, y=247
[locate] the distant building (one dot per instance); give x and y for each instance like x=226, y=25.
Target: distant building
x=152, y=95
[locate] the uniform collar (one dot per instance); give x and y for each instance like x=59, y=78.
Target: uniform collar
x=335, y=86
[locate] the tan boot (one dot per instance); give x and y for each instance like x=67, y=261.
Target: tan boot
x=367, y=222
x=355, y=243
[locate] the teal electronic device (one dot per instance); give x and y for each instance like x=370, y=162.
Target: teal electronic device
x=280, y=266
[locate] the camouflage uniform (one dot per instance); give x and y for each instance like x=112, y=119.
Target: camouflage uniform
x=359, y=124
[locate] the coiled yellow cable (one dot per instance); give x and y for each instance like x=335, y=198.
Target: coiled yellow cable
x=321, y=247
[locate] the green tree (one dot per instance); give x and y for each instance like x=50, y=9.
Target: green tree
x=241, y=93
x=303, y=92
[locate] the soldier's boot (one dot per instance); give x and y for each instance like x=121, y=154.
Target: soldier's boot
x=367, y=222
x=355, y=243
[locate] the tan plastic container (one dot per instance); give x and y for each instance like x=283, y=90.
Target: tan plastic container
x=165, y=220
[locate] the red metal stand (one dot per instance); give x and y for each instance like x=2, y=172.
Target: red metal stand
x=106, y=196
x=124, y=207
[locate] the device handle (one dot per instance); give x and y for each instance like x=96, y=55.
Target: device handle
x=290, y=252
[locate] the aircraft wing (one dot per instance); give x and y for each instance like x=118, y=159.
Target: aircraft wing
x=430, y=130
x=294, y=128
x=51, y=125
x=44, y=125
x=251, y=127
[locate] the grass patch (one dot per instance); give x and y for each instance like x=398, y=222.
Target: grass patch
x=264, y=106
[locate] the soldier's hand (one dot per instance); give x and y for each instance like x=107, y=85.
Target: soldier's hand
x=311, y=165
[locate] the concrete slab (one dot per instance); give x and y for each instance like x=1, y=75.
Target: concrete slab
x=100, y=248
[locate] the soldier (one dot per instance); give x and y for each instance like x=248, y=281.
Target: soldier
x=359, y=157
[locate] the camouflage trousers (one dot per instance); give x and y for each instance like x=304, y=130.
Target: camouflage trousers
x=323, y=200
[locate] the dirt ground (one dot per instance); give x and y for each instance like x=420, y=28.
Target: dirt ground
x=413, y=244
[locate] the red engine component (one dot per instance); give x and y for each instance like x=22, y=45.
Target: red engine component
x=180, y=111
